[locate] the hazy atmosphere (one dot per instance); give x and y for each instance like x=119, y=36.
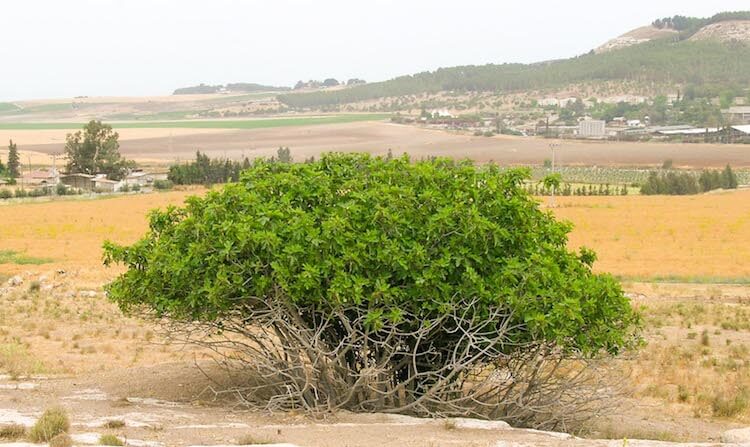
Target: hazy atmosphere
x=139, y=47
x=375, y=224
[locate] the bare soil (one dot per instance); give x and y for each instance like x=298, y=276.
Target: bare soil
x=379, y=137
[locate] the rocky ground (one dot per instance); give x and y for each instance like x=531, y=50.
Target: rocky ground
x=62, y=344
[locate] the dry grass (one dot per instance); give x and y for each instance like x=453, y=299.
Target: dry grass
x=53, y=422
x=697, y=357
x=703, y=237
x=12, y=432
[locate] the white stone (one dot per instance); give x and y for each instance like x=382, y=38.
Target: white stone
x=86, y=438
x=15, y=281
x=15, y=417
x=479, y=424
x=154, y=402
x=737, y=436
x=93, y=394
x=18, y=386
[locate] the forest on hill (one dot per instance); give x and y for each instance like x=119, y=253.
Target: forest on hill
x=688, y=26
x=659, y=62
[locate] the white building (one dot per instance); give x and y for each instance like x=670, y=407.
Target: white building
x=442, y=113
x=591, y=128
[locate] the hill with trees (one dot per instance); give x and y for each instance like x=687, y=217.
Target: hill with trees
x=674, y=61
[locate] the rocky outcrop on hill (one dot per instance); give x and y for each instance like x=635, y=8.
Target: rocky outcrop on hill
x=729, y=31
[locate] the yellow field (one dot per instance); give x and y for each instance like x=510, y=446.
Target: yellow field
x=696, y=236
x=704, y=235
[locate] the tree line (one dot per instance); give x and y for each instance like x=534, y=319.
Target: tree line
x=686, y=183
x=688, y=26
x=567, y=189
x=205, y=170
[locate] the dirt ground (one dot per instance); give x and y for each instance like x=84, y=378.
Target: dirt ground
x=378, y=137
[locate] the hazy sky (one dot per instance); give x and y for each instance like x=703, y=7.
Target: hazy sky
x=55, y=48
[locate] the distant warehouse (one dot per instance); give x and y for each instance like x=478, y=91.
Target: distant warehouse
x=591, y=129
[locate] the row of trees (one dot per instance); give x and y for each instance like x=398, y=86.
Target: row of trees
x=686, y=183
x=205, y=170
x=568, y=189
x=687, y=26
x=657, y=62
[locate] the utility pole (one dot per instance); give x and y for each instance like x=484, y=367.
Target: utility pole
x=553, y=146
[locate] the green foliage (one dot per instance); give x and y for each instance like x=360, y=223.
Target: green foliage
x=6, y=194
x=53, y=422
x=655, y=62
x=690, y=25
x=96, y=150
x=685, y=183
x=217, y=124
x=14, y=161
x=163, y=185
x=12, y=257
x=206, y=171
x=401, y=241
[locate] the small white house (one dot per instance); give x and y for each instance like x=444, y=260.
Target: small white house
x=441, y=113
x=635, y=123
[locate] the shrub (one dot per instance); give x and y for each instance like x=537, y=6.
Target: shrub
x=733, y=405
x=252, y=440
x=114, y=423
x=61, y=440
x=110, y=439
x=21, y=193
x=34, y=286
x=12, y=432
x=52, y=422
x=163, y=184
x=5, y=194
x=366, y=284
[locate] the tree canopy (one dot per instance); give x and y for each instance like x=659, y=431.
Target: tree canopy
x=96, y=150
x=419, y=258
x=14, y=161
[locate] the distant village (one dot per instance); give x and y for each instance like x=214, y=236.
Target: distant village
x=618, y=128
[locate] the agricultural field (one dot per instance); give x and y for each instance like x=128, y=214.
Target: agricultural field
x=369, y=133
x=209, y=124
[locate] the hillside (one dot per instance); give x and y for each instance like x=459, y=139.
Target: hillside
x=673, y=52
x=697, y=62
x=635, y=37
x=729, y=31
